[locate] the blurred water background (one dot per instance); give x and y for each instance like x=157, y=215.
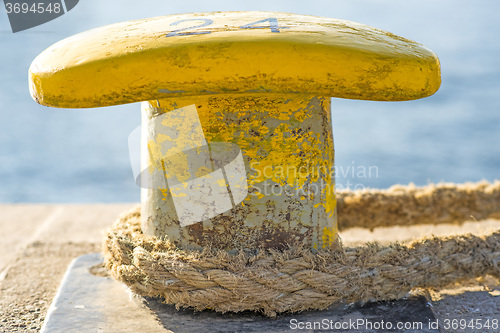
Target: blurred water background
x=72, y=155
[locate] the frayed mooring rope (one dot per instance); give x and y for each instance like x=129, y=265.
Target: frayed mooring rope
x=431, y=204
x=295, y=279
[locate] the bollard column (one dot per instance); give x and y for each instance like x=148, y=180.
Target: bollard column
x=287, y=194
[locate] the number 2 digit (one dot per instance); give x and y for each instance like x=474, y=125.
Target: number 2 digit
x=179, y=33
x=273, y=25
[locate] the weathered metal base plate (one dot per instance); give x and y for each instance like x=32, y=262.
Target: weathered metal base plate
x=89, y=303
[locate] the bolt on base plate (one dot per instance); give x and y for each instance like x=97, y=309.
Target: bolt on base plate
x=90, y=303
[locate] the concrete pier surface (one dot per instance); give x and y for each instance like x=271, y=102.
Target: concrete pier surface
x=37, y=243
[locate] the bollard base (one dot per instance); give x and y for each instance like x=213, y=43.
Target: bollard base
x=92, y=302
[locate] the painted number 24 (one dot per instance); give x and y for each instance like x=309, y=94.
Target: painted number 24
x=272, y=24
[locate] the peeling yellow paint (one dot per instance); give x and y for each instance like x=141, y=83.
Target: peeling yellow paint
x=162, y=138
x=329, y=236
x=221, y=182
x=202, y=171
x=287, y=146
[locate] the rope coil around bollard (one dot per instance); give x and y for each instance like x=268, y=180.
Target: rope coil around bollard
x=298, y=279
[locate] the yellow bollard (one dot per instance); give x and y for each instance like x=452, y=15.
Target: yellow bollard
x=237, y=145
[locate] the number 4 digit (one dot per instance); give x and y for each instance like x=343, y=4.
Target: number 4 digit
x=273, y=25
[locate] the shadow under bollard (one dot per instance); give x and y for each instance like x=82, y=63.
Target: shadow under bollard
x=408, y=315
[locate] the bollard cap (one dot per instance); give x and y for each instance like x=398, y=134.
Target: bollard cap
x=231, y=52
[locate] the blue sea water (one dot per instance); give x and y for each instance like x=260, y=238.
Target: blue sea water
x=69, y=155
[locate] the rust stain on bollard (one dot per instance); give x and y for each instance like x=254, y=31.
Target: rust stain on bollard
x=237, y=145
